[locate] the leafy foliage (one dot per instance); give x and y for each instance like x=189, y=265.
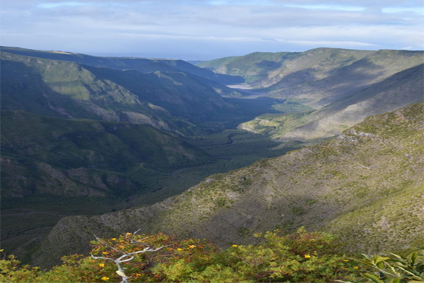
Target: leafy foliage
x=395, y=268
x=299, y=257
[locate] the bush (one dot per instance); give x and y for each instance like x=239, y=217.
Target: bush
x=395, y=268
x=299, y=257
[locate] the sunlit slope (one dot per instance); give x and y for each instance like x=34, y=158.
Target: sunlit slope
x=68, y=90
x=363, y=171
x=401, y=89
x=168, y=101
x=144, y=65
x=319, y=76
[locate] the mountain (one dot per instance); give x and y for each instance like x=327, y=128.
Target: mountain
x=366, y=186
x=325, y=90
x=399, y=90
x=181, y=95
x=264, y=69
x=319, y=76
x=143, y=65
x=68, y=90
x=52, y=156
x=173, y=101
x=78, y=139
x=342, y=81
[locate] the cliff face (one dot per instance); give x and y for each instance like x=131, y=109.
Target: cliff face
x=366, y=185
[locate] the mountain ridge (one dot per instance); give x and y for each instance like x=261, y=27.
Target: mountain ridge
x=400, y=89
x=70, y=90
x=144, y=65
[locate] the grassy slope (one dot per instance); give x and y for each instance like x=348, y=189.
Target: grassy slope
x=351, y=177
x=66, y=89
x=316, y=77
x=252, y=67
x=73, y=157
x=401, y=89
x=342, y=81
x=181, y=95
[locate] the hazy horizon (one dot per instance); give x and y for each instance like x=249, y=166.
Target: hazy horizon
x=209, y=29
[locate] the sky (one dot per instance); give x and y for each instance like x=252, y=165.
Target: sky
x=209, y=29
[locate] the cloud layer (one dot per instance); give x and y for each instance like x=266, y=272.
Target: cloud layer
x=207, y=29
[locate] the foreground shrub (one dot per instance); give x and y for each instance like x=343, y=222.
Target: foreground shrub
x=299, y=257
x=395, y=268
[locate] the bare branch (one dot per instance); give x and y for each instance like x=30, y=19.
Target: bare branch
x=125, y=257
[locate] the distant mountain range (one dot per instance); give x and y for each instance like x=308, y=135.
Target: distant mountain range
x=143, y=65
x=342, y=86
x=165, y=100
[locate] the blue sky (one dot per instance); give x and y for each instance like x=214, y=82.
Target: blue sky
x=208, y=29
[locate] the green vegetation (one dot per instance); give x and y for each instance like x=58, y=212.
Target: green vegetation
x=40, y=154
x=298, y=257
x=91, y=135
x=345, y=186
x=395, y=268
x=142, y=65
x=252, y=67
x=76, y=149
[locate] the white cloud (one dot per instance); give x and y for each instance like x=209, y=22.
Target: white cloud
x=328, y=7
x=393, y=10
x=212, y=28
x=51, y=5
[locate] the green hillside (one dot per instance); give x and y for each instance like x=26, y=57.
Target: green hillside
x=181, y=95
x=144, y=65
x=332, y=82
x=401, y=89
x=44, y=155
x=316, y=77
x=172, y=101
x=68, y=90
x=252, y=67
x=354, y=178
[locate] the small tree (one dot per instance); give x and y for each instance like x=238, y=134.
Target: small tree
x=126, y=248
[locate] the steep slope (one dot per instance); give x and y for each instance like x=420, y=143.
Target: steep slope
x=253, y=67
x=51, y=156
x=334, y=82
x=319, y=76
x=168, y=101
x=143, y=65
x=181, y=95
x=68, y=90
x=399, y=90
x=360, y=174
x=263, y=69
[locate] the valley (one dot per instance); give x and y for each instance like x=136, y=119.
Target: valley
x=322, y=139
